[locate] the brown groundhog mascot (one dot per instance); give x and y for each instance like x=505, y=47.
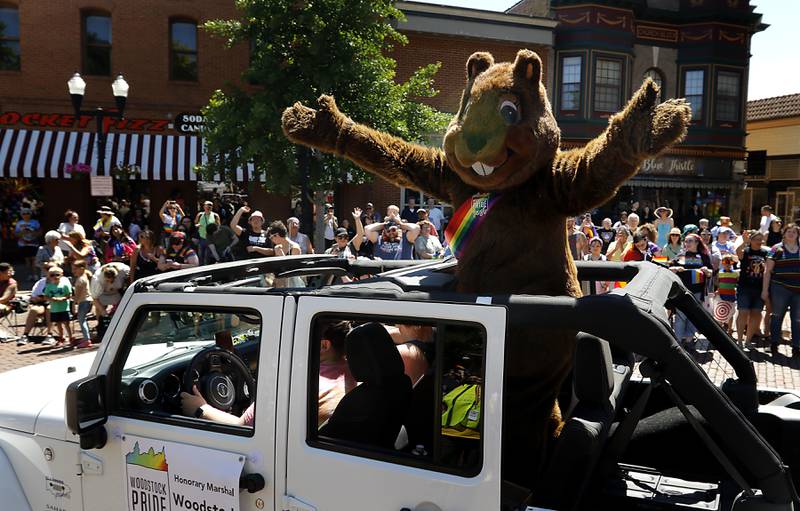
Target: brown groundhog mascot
x=502, y=164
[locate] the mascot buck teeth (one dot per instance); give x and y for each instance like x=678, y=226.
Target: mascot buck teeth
x=502, y=167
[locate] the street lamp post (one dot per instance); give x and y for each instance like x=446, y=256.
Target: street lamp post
x=77, y=88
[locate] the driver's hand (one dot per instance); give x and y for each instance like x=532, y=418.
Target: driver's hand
x=191, y=402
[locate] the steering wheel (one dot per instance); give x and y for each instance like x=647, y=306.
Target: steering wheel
x=224, y=379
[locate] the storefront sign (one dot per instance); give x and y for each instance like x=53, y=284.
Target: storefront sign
x=45, y=120
x=190, y=122
x=101, y=186
x=711, y=168
x=670, y=167
x=164, y=476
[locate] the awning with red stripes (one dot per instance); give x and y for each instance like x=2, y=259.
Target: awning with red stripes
x=41, y=153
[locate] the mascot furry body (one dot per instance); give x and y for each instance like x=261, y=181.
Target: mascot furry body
x=504, y=139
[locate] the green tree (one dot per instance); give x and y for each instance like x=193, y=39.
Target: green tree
x=300, y=49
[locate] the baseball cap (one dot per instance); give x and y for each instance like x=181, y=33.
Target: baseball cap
x=257, y=213
x=341, y=231
x=369, y=205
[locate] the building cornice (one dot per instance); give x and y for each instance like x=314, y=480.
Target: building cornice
x=435, y=10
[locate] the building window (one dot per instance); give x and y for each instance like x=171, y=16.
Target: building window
x=183, y=50
x=657, y=76
x=607, y=85
x=9, y=38
x=728, y=96
x=97, y=44
x=693, y=90
x=571, y=83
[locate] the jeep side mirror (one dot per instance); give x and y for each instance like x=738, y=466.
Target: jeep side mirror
x=86, y=410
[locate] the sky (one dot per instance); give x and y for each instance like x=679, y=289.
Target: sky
x=775, y=64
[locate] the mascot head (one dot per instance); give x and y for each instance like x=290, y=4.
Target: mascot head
x=504, y=131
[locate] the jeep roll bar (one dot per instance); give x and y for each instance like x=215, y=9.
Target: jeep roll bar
x=286, y=266
x=642, y=302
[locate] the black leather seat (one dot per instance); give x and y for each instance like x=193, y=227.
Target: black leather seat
x=373, y=412
x=598, y=383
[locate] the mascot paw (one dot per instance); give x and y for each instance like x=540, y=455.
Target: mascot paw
x=315, y=128
x=670, y=122
x=649, y=127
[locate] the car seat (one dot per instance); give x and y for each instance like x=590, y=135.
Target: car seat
x=373, y=412
x=598, y=383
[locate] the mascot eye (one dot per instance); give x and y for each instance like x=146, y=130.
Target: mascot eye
x=509, y=112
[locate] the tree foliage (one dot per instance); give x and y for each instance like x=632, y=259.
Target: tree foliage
x=299, y=50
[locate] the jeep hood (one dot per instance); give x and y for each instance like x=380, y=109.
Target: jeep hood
x=32, y=397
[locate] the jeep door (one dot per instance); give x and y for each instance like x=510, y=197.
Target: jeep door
x=152, y=440
x=366, y=432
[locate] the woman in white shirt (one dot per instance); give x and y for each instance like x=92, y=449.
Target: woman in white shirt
x=70, y=224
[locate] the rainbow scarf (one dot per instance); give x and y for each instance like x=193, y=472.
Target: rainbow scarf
x=466, y=220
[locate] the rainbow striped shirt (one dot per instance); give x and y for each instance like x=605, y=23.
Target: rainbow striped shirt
x=727, y=285
x=787, y=267
x=466, y=220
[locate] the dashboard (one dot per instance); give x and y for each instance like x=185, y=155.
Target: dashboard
x=155, y=386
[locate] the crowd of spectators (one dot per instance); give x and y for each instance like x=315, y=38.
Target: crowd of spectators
x=86, y=270
x=77, y=272
x=752, y=276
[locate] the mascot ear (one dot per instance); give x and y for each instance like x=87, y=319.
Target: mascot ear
x=528, y=68
x=477, y=63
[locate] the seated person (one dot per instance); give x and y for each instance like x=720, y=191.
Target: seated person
x=38, y=308
x=107, y=287
x=335, y=379
x=416, y=347
x=50, y=252
x=8, y=288
x=195, y=405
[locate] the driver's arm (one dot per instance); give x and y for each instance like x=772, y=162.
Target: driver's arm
x=191, y=402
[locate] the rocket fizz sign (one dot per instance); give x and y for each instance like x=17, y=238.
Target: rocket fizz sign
x=168, y=476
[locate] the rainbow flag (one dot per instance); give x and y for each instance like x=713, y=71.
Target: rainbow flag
x=698, y=277
x=466, y=220
x=660, y=259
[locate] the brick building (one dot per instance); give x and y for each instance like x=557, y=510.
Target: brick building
x=698, y=49
x=773, y=165
x=172, y=68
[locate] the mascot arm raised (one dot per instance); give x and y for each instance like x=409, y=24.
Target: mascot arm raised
x=395, y=160
x=585, y=177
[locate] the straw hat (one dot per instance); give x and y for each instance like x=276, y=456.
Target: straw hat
x=662, y=208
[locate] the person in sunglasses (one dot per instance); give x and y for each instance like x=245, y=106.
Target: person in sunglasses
x=344, y=247
x=177, y=255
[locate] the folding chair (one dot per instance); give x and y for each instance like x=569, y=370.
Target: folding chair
x=9, y=323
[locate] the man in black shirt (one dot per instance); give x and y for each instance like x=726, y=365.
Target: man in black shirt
x=409, y=214
x=254, y=239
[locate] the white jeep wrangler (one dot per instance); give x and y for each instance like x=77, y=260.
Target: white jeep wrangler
x=386, y=393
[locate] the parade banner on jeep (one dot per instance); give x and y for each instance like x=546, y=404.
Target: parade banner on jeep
x=168, y=476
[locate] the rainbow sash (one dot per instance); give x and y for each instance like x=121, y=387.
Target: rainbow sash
x=466, y=220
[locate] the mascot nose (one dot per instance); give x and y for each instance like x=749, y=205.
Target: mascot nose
x=475, y=141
